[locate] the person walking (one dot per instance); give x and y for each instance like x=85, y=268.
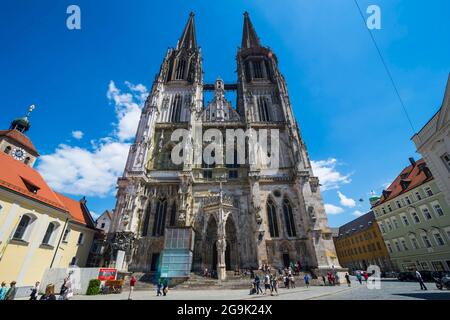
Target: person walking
x=3, y=290
x=11, y=293
x=258, y=285
x=132, y=284
x=165, y=286
x=273, y=284
x=306, y=278
x=158, y=288
x=267, y=283
x=49, y=293
x=347, y=278
x=324, y=280
x=35, y=291
x=359, y=277
x=420, y=280
x=292, y=281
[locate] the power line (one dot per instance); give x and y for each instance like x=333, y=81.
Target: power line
x=385, y=67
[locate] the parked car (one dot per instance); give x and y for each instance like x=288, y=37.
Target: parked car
x=406, y=276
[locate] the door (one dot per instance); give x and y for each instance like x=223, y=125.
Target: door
x=155, y=262
x=286, y=260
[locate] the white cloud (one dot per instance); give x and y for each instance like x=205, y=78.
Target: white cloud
x=128, y=108
x=346, y=202
x=77, y=134
x=328, y=175
x=358, y=213
x=331, y=209
x=94, y=171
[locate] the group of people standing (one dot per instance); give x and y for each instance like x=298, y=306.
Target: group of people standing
x=65, y=293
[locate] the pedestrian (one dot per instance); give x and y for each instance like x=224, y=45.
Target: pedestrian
x=165, y=286
x=366, y=276
x=292, y=281
x=132, y=284
x=11, y=293
x=49, y=293
x=347, y=278
x=3, y=290
x=68, y=292
x=273, y=284
x=324, y=280
x=337, y=279
x=258, y=285
x=267, y=283
x=34, y=291
x=359, y=277
x=286, y=282
x=420, y=280
x=306, y=278
x=158, y=288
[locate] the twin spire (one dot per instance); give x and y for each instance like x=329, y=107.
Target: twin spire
x=188, y=39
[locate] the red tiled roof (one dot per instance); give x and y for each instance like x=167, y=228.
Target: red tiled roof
x=19, y=177
x=21, y=139
x=411, y=174
x=14, y=175
x=77, y=210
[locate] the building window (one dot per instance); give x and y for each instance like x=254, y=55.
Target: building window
x=389, y=208
x=48, y=233
x=160, y=218
x=438, y=209
x=80, y=239
x=272, y=218
x=428, y=191
x=399, y=204
x=397, y=246
x=102, y=225
x=144, y=231
x=408, y=200
x=176, y=108
x=232, y=174
x=389, y=225
x=414, y=243
x=66, y=235
x=289, y=218
x=207, y=174
x=439, y=239
x=446, y=159
x=405, y=247
x=426, y=213
x=395, y=223
x=388, y=245
x=415, y=217
x=180, y=71
x=74, y=261
x=263, y=109
x=426, y=241
x=173, y=215
x=22, y=227
x=257, y=69
x=405, y=220
x=418, y=196
x=383, y=230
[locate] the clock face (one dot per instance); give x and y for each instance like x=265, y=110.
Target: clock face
x=19, y=154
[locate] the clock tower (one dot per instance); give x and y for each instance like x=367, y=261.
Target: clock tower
x=15, y=143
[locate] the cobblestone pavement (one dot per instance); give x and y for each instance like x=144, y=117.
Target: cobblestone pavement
x=390, y=290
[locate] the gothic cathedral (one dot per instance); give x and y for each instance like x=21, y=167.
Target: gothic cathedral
x=238, y=215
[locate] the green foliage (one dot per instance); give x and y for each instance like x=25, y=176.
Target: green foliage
x=94, y=287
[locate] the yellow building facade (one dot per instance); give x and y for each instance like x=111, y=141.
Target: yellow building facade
x=39, y=228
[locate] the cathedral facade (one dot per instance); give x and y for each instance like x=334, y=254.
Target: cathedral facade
x=242, y=214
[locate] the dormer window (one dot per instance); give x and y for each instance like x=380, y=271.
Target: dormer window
x=8, y=150
x=31, y=187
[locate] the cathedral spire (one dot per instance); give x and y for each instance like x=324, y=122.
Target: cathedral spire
x=249, y=37
x=188, y=39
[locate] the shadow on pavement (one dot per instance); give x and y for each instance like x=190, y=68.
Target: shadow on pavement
x=426, y=295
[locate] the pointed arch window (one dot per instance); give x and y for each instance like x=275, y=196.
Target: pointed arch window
x=181, y=66
x=48, y=233
x=173, y=215
x=258, y=70
x=289, y=218
x=272, y=219
x=263, y=109
x=144, y=231
x=160, y=218
x=176, y=108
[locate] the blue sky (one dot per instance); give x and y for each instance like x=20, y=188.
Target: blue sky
x=92, y=80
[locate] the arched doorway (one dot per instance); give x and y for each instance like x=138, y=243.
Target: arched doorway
x=210, y=248
x=231, y=251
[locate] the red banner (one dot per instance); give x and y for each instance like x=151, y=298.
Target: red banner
x=107, y=274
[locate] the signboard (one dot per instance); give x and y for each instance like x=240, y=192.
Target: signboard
x=105, y=274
